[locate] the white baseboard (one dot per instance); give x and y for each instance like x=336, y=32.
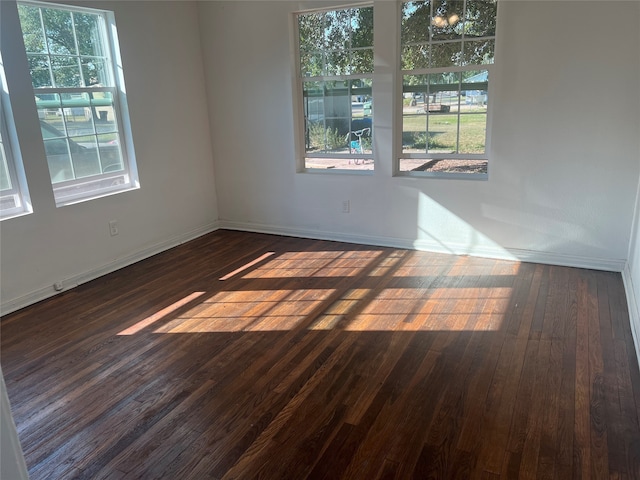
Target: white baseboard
x=68, y=283
x=634, y=313
x=612, y=265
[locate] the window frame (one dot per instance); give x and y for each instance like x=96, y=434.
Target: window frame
x=12, y=155
x=87, y=188
x=300, y=119
x=400, y=155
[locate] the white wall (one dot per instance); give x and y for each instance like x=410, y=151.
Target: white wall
x=160, y=46
x=563, y=166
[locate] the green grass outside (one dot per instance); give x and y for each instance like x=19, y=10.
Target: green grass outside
x=443, y=132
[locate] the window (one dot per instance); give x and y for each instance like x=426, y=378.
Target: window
x=446, y=57
x=14, y=198
x=79, y=99
x=335, y=77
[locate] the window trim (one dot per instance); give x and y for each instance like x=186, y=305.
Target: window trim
x=64, y=191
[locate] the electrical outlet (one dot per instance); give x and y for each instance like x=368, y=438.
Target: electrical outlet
x=113, y=228
x=346, y=206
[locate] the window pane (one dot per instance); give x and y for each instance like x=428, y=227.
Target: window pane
x=58, y=27
x=48, y=105
x=337, y=105
x=447, y=22
x=474, y=89
x=473, y=120
x=362, y=27
x=443, y=133
x=311, y=63
x=414, y=116
x=480, y=18
x=416, y=17
x=362, y=61
x=337, y=63
x=66, y=71
x=77, y=115
x=430, y=113
x=88, y=34
x=414, y=130
x=39, y=70
x=59, y=160
x=335, y=112
x=337, y=30
x=84, y=154
x=415, y=56
x=53, y=127
x=94, y=72
x=441, y=103
x=311, y=31
x=103, y=112
x=110, y=154
x=478, y=53
x=446, y=54
x=473, y=133
x=32, y=29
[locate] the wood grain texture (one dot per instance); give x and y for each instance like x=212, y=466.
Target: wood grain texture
x=241, y=355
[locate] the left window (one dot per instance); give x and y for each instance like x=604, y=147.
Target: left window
x=14, y=195
x=335, y=71
x=79, y=94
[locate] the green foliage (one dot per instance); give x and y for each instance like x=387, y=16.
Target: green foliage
x=426, y=23
x=321, y=138
x=72, y=37
x=336, y=42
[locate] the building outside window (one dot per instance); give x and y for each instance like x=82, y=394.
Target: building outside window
x=79, y=92
x=447, y=52
x=334, y=71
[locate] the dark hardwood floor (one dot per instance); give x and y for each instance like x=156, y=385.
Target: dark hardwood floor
x=243, y=355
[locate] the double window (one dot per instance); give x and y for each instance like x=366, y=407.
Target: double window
x=445, y=57
x=335, y=71
x=79, y=96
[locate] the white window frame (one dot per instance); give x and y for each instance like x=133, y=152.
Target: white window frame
x=300, y=117
x=9, y=145
x=106, y=183
x=399, y=95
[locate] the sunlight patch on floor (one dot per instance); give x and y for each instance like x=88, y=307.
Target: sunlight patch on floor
x=316, y=264
x=249, y=310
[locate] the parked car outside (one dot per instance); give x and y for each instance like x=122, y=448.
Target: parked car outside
x=70, y=160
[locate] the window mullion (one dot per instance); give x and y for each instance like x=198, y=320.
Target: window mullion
x=46, y=46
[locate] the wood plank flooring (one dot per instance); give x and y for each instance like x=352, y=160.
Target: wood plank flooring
x=242, y=355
